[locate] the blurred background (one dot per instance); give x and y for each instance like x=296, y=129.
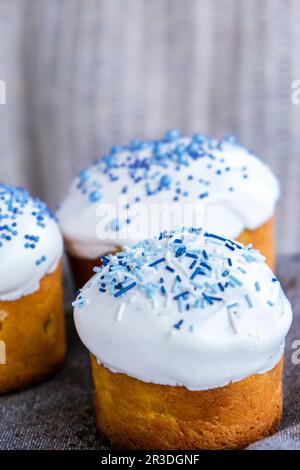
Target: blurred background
x=83, y=75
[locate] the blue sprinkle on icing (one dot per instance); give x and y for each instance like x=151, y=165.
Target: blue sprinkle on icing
x=198, y=278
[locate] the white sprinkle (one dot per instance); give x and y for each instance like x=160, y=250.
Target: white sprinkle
x=148, y=269
x=120, y=312
x=167, y=301
x=119, y=275
x=181, y=268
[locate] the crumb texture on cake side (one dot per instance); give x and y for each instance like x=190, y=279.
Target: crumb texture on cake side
x=136, y=415
x=33, y=329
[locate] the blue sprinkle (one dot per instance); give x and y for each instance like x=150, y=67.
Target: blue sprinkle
x=135, y=145
x=196, y=272
x=184, y=295
x=180, y=252
x=125, y=289
x=233, y=305
x=165, y=181
x=249, y=301
x=257, y=286
x=163, y=290
x=84, y=175
x=178, y=324
x=193, y=264
x=116, y=149
x=242, y=270
x=95, y=196
x=172, y=134
x=158, y=261
x=168, y=268
x=235, y=280
x=211, y=235
x=212, y=298
x=207, y=298
x=229, y=246
x=104, y=260
x=191, y=255
x=205, y=265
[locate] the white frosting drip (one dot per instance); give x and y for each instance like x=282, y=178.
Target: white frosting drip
x=236, y=333
x=21, y=268
x=241, y=193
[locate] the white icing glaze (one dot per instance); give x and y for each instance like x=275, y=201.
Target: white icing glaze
x=229, y=331
x=24, y=261
x=228, y=188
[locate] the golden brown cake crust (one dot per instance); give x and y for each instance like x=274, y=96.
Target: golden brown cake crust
x=262, y=238
x=33, y=329
x=133, y=414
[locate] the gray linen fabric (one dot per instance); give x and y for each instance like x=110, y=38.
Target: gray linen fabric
x=83, y=75
x=58, y=414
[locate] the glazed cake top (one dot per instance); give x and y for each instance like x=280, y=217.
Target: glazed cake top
x=189, y=308
x=227, y=187
x=30, y=242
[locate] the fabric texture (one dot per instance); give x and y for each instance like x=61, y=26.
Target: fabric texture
x=83, y=75
x=58, y=414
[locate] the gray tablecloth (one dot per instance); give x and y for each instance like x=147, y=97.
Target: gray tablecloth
x=58, y=414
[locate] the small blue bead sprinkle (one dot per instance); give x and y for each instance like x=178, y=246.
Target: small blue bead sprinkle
x=95, y=196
